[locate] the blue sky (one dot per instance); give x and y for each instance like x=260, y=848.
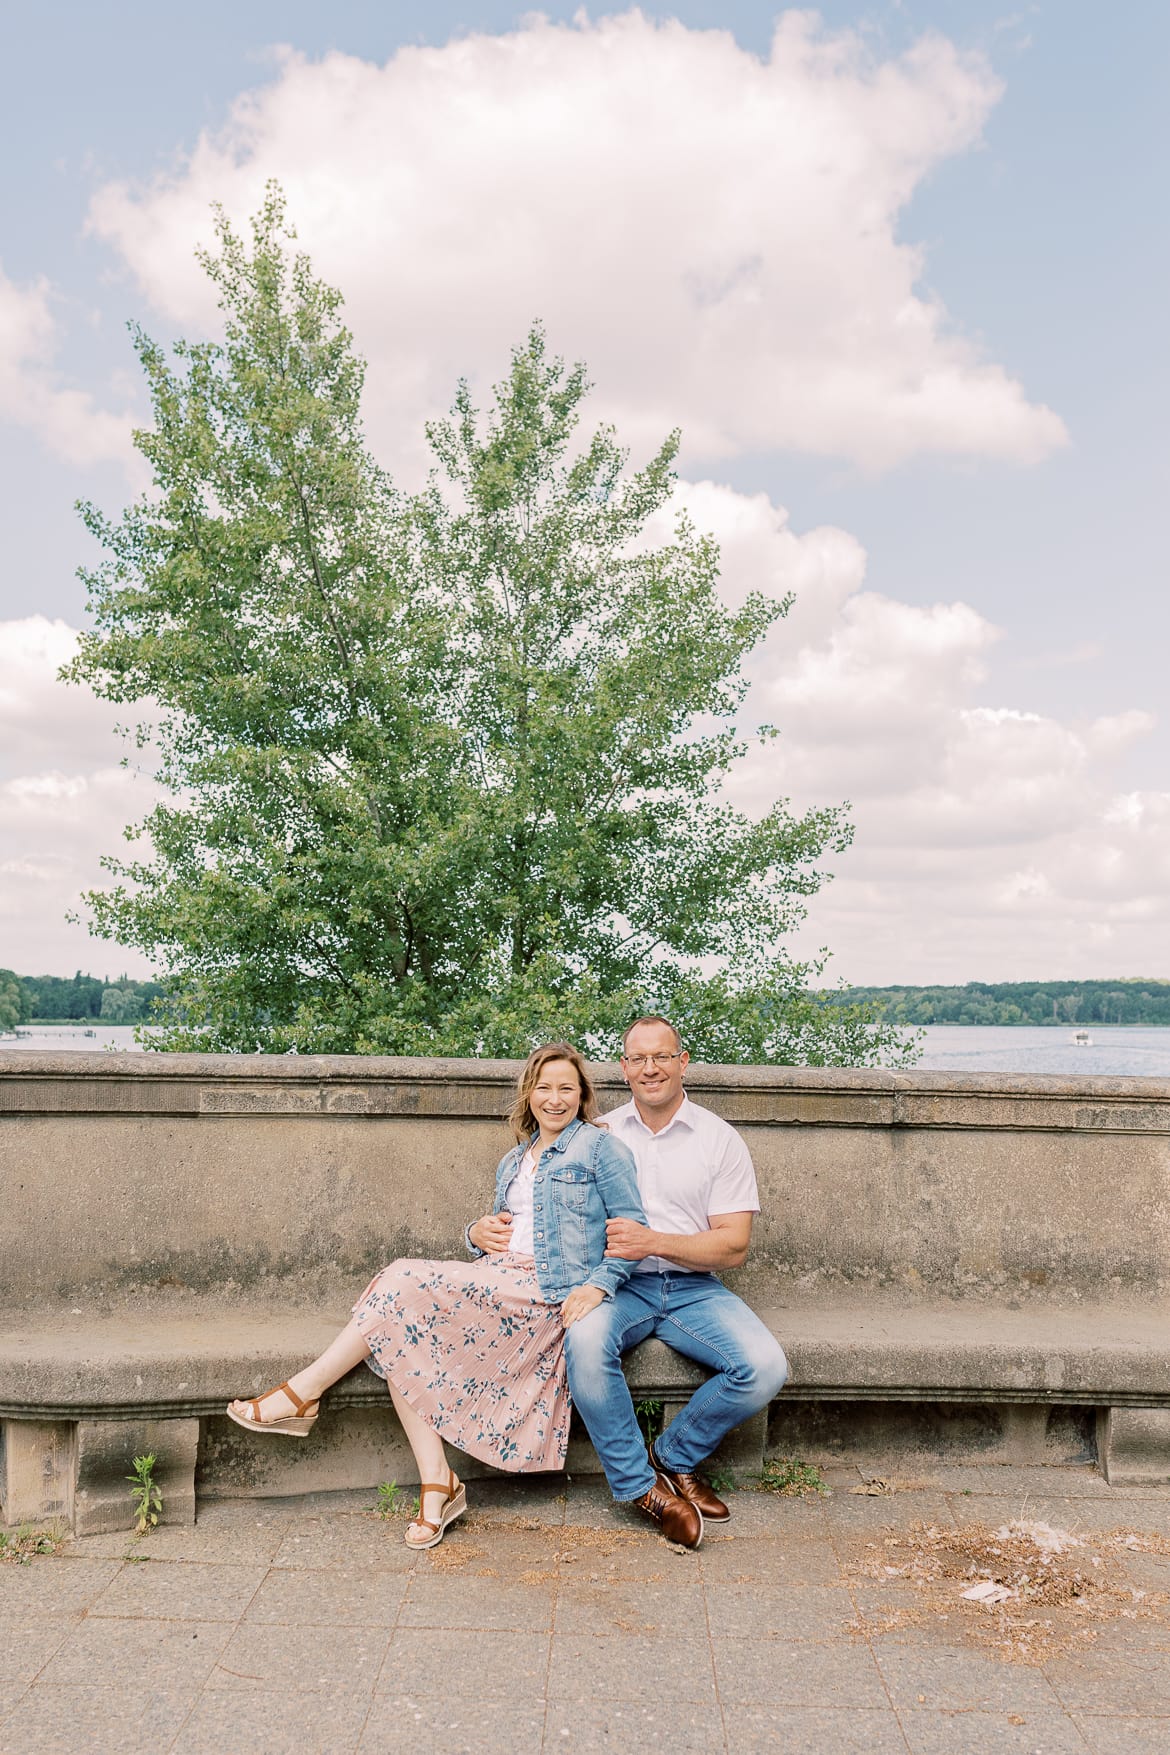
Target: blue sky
x=1043, y=247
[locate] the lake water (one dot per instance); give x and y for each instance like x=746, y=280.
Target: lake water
x=89, y=1038
x=1113, y=1051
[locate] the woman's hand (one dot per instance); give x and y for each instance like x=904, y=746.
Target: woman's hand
x=580, y=1302
x=492, y=1233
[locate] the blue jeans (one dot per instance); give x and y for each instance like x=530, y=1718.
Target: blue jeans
x=697, y=1316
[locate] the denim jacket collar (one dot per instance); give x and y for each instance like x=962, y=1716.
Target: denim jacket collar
x=562, y=1139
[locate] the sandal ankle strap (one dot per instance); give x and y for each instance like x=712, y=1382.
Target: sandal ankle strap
x=299, y=1406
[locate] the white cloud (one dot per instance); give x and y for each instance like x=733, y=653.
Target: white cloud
x=1116, y=731
x=992, y=841
x=717, y=234
x=759, y=551
x=32, y=394
x=46, y=725
x=54, y=827
x=64, y=801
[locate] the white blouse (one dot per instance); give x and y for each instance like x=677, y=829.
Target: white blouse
x=518, y=1198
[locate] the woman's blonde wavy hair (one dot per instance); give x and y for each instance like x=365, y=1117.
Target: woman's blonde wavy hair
x=521, y=1119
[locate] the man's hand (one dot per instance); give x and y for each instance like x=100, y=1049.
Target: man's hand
x=629, y=1241
x=492, y=1233
x=580, y=1302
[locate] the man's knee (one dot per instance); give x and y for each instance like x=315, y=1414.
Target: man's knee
x=763, y=1370
x=773, y=1371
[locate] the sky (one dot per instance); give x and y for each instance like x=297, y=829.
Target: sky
x=897, y=270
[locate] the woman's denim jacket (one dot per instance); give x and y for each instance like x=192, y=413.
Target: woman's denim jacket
x=584, y=1178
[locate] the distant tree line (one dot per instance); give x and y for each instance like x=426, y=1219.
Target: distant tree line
x=1060, y=1003
x=24, y=998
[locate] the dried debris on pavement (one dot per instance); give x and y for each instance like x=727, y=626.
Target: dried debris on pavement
x=1026, y=1590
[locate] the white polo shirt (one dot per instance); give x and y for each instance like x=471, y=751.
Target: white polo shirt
x=694, y=1169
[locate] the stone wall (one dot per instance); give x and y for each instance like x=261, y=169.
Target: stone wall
x=243, y=1176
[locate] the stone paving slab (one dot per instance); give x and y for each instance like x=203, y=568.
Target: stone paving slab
x=811, y=1731
x=109, y=1651
x=262, y=1723
x=1124, y=1734
x=973, y=1733
x=549, y=1620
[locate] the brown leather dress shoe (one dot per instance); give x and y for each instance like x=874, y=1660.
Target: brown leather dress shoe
x=679, y=1520
x=696, y=1491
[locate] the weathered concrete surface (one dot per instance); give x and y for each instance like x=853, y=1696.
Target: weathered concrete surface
x=1134, y=1444
x=178, y=1363
x=548, y=1622
x=942, y=1433
x=38, y=1468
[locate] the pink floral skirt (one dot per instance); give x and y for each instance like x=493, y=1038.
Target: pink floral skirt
x=477, y=1352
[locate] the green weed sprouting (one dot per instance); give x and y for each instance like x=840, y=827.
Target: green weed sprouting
x=649, y=1416
x=145, y=1494
x=390, y=1497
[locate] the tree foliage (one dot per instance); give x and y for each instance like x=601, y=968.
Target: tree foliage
x=445, y=769
x=13, y=1004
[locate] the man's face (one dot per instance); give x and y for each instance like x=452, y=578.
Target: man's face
x=656, y=1083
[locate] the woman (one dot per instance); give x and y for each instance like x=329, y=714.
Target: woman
x=475, y=1353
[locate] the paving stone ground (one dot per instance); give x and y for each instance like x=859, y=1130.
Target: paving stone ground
x=549, y=1621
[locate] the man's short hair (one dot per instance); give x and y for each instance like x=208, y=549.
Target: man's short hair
x=651, y=1018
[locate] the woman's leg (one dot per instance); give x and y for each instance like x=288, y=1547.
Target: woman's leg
x=340, y=1356
x=429, y=1456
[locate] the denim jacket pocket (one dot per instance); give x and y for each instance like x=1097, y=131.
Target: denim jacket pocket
x=572, y=1185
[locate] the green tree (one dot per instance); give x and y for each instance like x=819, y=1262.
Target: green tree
x=447, y=770
x=121, y=1005
x=13, y=1007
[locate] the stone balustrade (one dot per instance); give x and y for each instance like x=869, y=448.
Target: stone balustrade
x=990, y=1252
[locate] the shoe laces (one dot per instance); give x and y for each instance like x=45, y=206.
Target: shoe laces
x=656, y=1501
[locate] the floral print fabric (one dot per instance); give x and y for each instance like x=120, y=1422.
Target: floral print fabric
x=477, y=1352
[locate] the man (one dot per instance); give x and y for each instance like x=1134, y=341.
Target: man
x=698, y=1189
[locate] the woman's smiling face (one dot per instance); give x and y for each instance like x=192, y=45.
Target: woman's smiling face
x=556, y=1096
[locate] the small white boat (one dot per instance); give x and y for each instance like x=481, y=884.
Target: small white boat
x=1083, y=1039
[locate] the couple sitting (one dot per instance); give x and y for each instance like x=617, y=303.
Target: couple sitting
x=601, y=1234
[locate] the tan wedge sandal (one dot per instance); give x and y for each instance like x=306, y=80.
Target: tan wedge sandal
x=297, y=1425
x=453, y=1506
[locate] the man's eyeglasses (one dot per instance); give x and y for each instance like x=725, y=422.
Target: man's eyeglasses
x=637, y=1061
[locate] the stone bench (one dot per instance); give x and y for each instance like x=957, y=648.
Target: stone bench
x=180, y=1229
x=82, y=1400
